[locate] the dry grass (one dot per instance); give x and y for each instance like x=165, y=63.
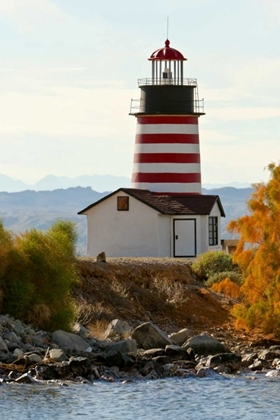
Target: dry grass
x=98, y=329
x=40, y=314
x=163, y=291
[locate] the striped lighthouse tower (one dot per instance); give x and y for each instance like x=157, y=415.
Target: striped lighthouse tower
x=167, y=154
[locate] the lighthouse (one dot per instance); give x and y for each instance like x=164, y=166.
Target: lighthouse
x=167, y=152
x=164, y=213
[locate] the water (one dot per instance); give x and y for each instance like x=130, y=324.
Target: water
x=204, y=398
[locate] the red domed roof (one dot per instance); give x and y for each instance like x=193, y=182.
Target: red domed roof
x=167, y=53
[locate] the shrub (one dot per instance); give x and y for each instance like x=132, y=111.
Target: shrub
x=234, y=276
x=213, y=262
x=37, y=275
x=228, y=288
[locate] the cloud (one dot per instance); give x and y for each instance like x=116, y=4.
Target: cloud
x=30, y=15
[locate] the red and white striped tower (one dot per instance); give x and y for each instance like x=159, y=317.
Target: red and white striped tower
x=167, y=155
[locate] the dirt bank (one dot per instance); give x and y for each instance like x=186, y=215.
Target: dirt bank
x=163, y=290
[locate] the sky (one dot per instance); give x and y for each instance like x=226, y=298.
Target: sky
x=69, y=69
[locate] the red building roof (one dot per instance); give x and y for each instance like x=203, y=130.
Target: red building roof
x=167, y=53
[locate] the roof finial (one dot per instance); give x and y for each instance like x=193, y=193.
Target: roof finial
x=167, y=26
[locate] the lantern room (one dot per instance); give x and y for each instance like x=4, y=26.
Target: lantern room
x=167, y=91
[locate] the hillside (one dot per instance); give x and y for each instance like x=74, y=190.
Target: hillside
x=164, y=291
x=28, y=209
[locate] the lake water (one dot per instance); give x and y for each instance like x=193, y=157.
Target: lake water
x=192, y=398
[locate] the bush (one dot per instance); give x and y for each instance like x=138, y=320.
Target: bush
x=37, y=274
x=234, y=276
x=228, y=288
x=213, y=262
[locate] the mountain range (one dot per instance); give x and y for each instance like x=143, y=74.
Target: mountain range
x=21, y=211
x=98, y=183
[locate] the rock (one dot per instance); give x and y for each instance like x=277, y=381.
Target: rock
x=3, y=346
x=80, y=330
x=154, y=352
x=248, y=359
x=117, y=353
x=204, y=345
x=117, y=328
x=170, y=369
x=11, y=337
x=225, y=362
x=69, y=341
x=80, y=366
x=153, y=370
x=26, y=378
x=124, y=346
x=38, y=341
x=259, y=365
x=180, y=337
x=57, y=355
x=52, y=371
x=269, y=354
x=273, y=373
x=101, y=257
x=33, y=359
x=18, y=352
x=149, y=336
x=115, y=359
x=205, y=372
x=172, y=350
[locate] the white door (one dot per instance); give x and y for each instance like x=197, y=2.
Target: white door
x=184, y=231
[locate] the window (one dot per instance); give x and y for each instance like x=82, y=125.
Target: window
x=213, y=230
x=123, y=203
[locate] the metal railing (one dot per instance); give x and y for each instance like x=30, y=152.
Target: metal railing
x=166, y=81
x=137, y=106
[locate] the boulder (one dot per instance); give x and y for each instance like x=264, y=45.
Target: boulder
x=176, y=351
x=80, y=366
x=124, y=346
x=3, y=345
x=149, y=336
x=180, y=337
x=69, y=341
x=57, y=355
x=11, y=336
x=228, y=362
x=52, y=371
x=117, y=328
x=33, y=359
x=204, y=345
x=80, y=330
x=117, y=353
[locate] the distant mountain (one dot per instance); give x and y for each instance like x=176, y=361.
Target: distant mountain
x=234, y=201
x=11, y=185
x=98, y=183
x=230, y=184
x=21, y=211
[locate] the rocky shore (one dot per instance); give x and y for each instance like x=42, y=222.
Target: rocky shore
x=32, y=356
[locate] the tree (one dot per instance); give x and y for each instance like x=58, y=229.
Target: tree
x=258, y=256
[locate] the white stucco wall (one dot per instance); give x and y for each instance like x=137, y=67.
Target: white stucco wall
x=215, y=212
x=138, y=232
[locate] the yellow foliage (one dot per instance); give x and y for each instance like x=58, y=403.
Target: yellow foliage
x=258, y=255
x=227, y=287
